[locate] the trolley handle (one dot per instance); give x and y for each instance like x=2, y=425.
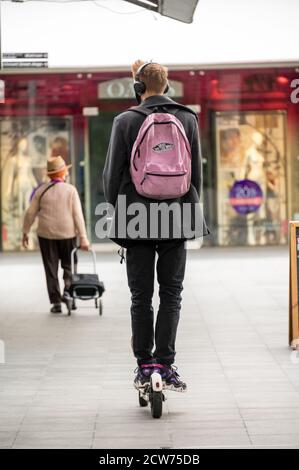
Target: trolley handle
x=74, y=267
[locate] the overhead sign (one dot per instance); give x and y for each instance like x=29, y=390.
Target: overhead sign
x=246, y=196
x=122, y=88
x=24, y=64
x=176, y=9
x=25, y=55
x=25, y=60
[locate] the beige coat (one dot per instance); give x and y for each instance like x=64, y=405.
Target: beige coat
x=59, y=213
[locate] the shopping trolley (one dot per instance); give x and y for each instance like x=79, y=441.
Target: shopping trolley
x=84, y=286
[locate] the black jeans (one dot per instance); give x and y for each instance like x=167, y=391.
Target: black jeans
x=170, y=274
x=52, y=251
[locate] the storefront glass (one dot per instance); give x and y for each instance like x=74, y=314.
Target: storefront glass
x=249, y=128
x=251, y=183
x=25, y=145
x=99, y=135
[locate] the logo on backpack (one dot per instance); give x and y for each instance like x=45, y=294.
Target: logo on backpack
x=161, y=158
x=163, y=147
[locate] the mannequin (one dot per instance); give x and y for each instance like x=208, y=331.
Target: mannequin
x=232, y=155
x=255, y=171
x=254, y=161
x=232, y=152
x=20, y=184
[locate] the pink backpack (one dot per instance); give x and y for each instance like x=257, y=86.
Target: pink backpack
x=161, y=157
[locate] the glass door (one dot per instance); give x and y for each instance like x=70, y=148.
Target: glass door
x=99, y=129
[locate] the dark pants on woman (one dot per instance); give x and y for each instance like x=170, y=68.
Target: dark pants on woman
x=170, y=274
x=52, y=252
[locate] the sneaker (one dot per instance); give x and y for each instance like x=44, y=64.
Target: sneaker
x=143, y=374
x=56, y=308
x=171, y=379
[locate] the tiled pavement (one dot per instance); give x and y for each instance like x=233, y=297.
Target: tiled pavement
x=67, y=381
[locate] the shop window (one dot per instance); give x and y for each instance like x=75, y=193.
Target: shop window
x=25, y=146
x=251, y=178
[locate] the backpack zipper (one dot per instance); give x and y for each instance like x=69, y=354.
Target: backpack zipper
x=181, y=173
x=162, y=175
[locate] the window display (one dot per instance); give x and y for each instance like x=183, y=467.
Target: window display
x=25, y=145
x=247, y=120
x=250, y=151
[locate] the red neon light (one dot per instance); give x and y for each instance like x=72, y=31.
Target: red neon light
x=282, y=80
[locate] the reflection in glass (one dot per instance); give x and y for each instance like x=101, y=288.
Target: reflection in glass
x=25, y=146
x=251, y=146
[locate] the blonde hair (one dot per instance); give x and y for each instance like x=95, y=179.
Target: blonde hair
x=154, y=76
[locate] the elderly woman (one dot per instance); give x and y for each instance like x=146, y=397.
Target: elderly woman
x=60, y=221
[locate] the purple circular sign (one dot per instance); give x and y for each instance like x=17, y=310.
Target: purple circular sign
x=246, y=196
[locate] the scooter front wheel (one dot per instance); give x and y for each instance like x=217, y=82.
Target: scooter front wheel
x=157, y=404
x=156, y=395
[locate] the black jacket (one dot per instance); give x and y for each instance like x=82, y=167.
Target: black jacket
x=116, y=175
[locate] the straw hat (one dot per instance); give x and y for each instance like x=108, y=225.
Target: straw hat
x=56, y=164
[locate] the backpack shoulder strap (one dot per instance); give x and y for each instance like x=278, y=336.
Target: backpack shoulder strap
x=141, y=110
x=174, y=108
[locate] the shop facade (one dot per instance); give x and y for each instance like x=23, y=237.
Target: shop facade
x=249, y=123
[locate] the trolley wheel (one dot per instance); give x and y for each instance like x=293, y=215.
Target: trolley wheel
x=156, y=404
x=100, y=307
x=142, y=401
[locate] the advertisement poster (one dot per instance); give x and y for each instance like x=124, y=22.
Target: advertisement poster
x=251, y=175
x=25, y=146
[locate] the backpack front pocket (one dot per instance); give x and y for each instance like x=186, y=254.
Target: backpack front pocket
x=167, y=185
